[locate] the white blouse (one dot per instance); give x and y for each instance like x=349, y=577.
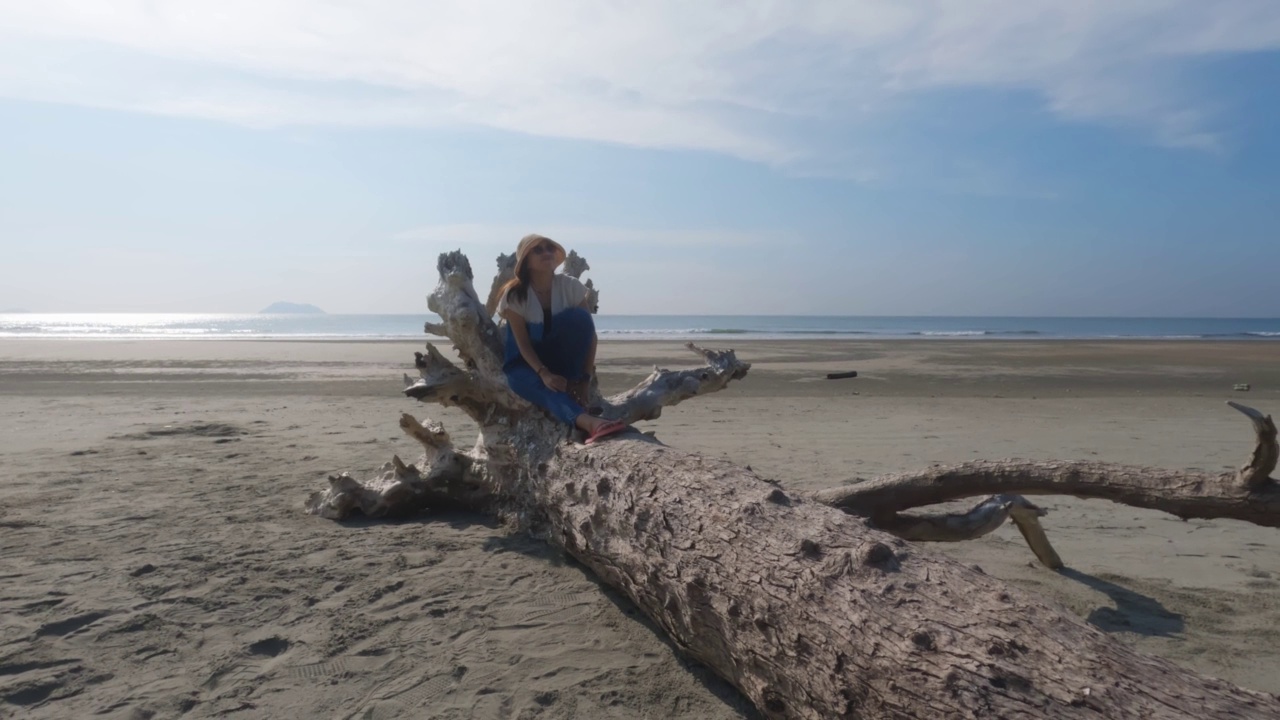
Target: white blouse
x=566, y=292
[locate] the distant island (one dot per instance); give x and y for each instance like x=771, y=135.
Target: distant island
x=14, y=311
x=288, y=308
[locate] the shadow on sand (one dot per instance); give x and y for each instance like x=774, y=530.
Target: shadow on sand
x=1134, y=612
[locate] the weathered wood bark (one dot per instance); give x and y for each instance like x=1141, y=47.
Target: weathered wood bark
x=813, y=615
x=1247, y=494
x=983, y=518
x=806, y=609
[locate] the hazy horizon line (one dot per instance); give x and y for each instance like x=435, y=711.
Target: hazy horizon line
x=726, y=315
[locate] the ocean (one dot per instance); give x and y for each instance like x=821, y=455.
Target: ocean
x=641, y=327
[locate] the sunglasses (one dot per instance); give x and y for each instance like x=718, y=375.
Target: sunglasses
x=543, y=249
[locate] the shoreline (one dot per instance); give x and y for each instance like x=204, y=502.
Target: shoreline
x=898, y=367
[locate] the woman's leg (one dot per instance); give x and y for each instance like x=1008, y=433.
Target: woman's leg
x=568, y=345
x=511, y=356
x=567, y=348
x=526, y=383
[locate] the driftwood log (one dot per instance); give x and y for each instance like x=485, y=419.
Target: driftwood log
x=813, y=607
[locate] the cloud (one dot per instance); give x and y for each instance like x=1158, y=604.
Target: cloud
x=747, y=78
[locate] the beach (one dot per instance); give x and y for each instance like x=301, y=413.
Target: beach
x=157, y=562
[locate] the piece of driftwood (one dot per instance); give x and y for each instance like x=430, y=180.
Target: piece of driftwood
x=842, y=375
x=1247, y=494
x=809, y=610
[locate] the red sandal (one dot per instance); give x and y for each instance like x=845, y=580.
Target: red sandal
x=612, y=427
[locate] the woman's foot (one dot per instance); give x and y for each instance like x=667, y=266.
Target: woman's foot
x=607, y=428
x=597, y=428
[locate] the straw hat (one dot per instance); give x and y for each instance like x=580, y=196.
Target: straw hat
x=529, y=242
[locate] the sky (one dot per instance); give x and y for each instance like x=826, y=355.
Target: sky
x=844, y=157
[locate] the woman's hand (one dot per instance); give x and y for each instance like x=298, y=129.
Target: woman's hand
x=552, y=380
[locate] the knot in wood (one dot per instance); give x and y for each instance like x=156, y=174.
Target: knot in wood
x=773, y=701
x=877, y=554
x=1005, y=648
x=922, y=640
x=454, y=263
x=1012, y=681
x=837, y=565
x=810, y=549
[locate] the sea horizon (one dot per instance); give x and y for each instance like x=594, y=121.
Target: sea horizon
x=409, y=326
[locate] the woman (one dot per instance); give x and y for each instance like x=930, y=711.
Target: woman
x=551, y=339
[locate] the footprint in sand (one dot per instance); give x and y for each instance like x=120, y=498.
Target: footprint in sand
x=552, y=607
x=562, y=599
x=63, y=628
x=413, y=693
x=549, y=611
x=342, y=666
x=271, y=647
x=250, y=669
x=232, y=675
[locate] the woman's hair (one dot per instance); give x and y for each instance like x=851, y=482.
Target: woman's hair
x=517, y=288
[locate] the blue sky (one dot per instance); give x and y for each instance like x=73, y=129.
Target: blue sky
x=993, y=157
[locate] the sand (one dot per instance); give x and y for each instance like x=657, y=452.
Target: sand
x=156, y=562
